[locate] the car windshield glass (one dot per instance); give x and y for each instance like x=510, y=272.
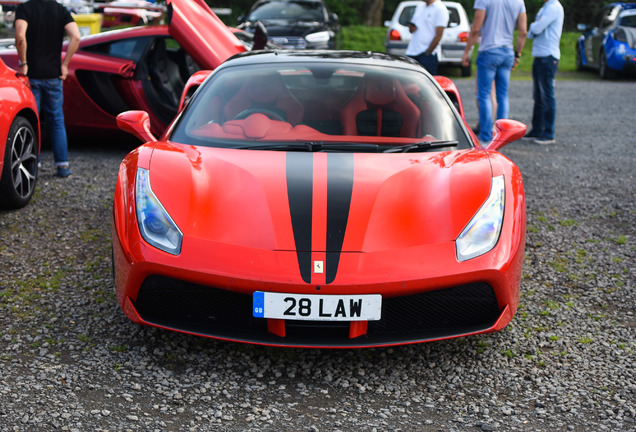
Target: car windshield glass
x=299, y=10
x=628, y=21
x=359, y=107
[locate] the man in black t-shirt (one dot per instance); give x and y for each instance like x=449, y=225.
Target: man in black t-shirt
x=39, y=32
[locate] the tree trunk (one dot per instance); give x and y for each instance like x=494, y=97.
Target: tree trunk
x=371, y=13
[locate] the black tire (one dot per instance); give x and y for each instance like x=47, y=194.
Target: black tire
x=467, y=70
x=579, y=59
x=20, y=170
x=603, y=69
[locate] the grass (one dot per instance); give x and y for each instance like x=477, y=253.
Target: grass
x=363, y=38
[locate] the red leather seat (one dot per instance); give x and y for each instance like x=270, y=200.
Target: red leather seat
x=380, y=107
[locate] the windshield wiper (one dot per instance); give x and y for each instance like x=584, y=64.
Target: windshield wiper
x=314, y=147
x=421, y=146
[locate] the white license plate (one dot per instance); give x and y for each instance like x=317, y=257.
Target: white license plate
x=366, y=307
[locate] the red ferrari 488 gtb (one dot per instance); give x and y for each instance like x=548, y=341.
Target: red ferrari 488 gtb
x=19, y=139
x=319, y=199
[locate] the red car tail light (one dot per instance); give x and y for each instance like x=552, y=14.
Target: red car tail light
x=462, y=37
x=395, y=35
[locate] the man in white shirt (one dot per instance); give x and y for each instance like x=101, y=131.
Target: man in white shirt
x=427, y=28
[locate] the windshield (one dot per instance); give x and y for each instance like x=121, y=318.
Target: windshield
x=628, y=20
x=296, y=10
x=318, y=103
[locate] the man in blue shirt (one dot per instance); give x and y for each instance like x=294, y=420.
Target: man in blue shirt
x=546, y=32
x=495, y=21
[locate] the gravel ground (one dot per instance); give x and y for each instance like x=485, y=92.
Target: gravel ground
x=70, y=360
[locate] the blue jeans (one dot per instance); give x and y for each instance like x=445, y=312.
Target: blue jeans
x=493, y=65
x=49, y=97
x=429, y=61
x=544, y=113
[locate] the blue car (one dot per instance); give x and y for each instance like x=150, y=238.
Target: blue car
x=609, y=43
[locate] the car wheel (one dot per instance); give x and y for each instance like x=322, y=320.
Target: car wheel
x=579, y=59
x=467, y=70
x=604, y=70
x=19, y=174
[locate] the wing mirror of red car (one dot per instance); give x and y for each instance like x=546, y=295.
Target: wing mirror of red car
x=136, y=123
x=505, y=132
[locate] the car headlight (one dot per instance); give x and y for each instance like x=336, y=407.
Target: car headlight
x=155, y=224
x=322, y=36
x=482, y=232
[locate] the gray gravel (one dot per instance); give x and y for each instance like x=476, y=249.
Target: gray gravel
x=71, y=361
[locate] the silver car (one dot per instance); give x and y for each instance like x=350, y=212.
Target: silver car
x=454, y=39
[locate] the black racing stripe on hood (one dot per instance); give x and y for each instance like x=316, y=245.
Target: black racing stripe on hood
x=300, y=175
x=339, y=190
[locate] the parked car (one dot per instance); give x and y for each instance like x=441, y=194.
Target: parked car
x=140, y=68
x=121, y=13
x=19, y=139
x=609, y=43
x=298, y=24
x=453, y=42
x=319, y=199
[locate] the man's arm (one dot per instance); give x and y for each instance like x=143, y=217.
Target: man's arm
x=439, y=32
x=475, y=32
x=538, y=26
x=20, y=26
x=522, y=34
x=72, y=30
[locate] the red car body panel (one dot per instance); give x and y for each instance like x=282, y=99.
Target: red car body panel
x=16, y=98
x=19, y=146
x=202, y=33
x=258, y=245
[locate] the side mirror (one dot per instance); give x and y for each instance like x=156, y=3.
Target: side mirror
x=136, y=123
x=260, y=36
x=506, y=131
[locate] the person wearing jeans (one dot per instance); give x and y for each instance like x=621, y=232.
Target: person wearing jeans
x=495, y=21
x=546, y=32
x=493, y=65
x=49, y=97
x=39, y=31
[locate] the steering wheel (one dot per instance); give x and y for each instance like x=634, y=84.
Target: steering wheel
x=268, y=112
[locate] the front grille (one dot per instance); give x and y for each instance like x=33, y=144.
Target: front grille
x=225, y=314
x=292, y=42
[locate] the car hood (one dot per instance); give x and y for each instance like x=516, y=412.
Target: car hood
x=334, y=202
x=201, y=33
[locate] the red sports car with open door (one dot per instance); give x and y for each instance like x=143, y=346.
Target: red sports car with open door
x=319, y=199
x=141, y=68
x=19, y=139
